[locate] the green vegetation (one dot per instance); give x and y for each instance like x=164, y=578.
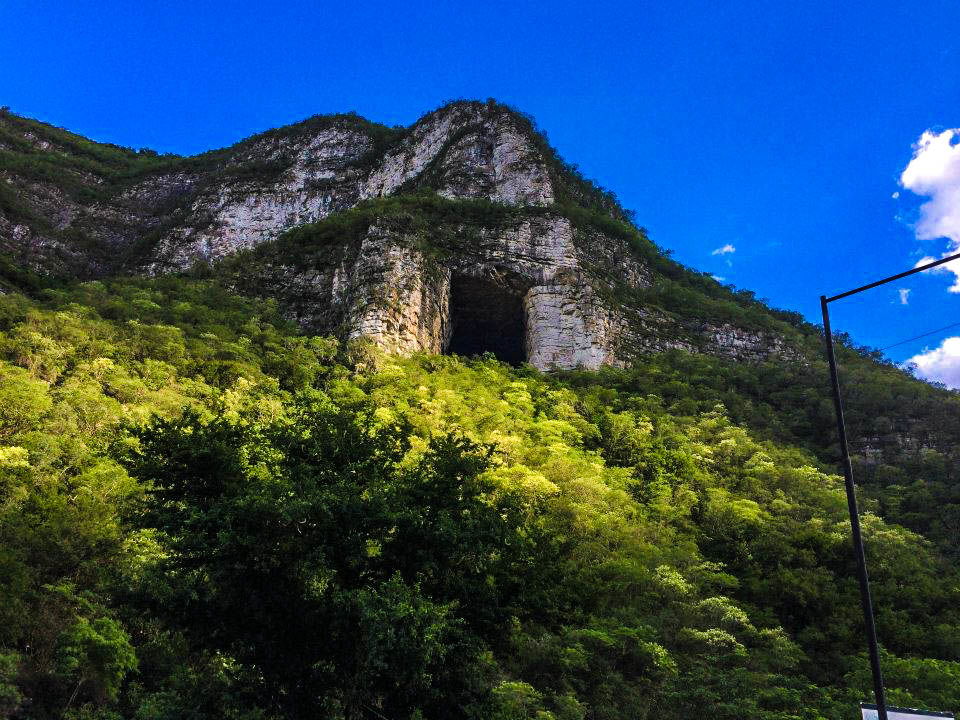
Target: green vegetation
x=435, y=225
x=39, y=152
x=34, y=152
x=903, y=432
x=205, y=514
x=572, y=187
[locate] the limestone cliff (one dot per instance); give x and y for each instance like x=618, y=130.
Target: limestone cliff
x=490, y=242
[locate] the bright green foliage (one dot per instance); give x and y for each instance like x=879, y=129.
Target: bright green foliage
x=76, y=368
x=204, y=514
x=910, y=429
x=97, y=653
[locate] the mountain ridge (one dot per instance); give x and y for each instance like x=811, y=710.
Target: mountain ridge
x=170, y=213
x=95, y=169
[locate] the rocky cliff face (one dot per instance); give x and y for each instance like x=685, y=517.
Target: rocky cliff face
x=410, y=303
x=466, y=150
x=537, y=277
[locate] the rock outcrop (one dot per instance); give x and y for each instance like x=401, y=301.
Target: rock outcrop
x=551, y=275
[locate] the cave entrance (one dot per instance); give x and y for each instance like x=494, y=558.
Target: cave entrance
x=487, y=315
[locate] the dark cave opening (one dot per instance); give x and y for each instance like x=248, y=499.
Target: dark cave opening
x=487, y=316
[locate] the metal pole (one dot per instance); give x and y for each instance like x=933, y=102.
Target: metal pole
x=865, y=600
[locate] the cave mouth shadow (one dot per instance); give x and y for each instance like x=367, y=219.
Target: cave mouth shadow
x=487, y=314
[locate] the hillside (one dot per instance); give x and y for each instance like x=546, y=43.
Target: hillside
x=70, y=204
x=586, y=284
x=223, y=493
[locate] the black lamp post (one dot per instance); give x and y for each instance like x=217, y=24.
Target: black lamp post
x=865, y=600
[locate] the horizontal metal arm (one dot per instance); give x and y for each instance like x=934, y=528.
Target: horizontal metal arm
x=941, y=261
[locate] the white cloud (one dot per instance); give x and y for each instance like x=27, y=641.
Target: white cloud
x=952, y=266
x=719, y=278
x=728, y=248
x=904, y=295
x=934, y=172
x=941, y=364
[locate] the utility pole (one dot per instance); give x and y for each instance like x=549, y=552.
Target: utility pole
x=864, y=579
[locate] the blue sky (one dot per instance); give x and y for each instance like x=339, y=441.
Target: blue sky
x=779, y=129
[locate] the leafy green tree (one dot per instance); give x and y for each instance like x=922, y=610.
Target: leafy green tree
x=97, y=655
x=313, y=551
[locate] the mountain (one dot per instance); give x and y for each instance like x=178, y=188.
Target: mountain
x=361, y=422
x=467, y=216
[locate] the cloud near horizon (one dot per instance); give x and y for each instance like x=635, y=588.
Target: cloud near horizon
x=934, y=172
x=941, y=364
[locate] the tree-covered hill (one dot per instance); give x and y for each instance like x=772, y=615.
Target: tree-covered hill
x=206, y=513
x=209, y=511
x=905, y=433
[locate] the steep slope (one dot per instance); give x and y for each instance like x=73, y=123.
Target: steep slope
x=466, y=233
x=586, y=283
x=78, y=208
x=176, y=210
x=208, y=514
x=590, y=290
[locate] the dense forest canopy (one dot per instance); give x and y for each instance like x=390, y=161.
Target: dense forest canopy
x=206, y=513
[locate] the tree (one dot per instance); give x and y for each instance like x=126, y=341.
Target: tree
x=314, y=551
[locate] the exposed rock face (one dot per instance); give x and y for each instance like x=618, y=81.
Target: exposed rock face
x=404, y=300
x=538, y=288
x=523, y=286
x=393, y=300
x=469, y=151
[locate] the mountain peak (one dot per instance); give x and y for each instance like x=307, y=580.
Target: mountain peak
x=464, y=232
